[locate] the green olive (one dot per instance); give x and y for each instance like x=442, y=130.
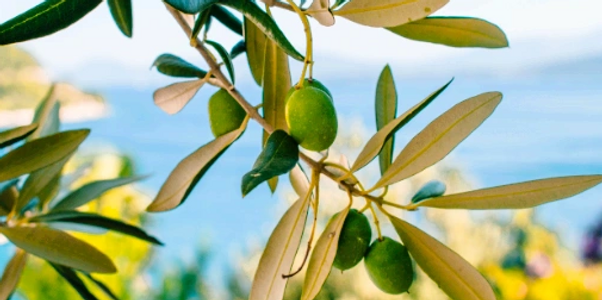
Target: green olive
x=310, y=83
x=389, y=266
x=225, y=114
x=311, y=118
x=354, y=240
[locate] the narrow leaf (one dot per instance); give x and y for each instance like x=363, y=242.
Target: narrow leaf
x=37, y=181
x=71, y=276
x=519, y=195
x=440, y=137
x=385, y=109
x=51, y=190
x=276, y=84
x=454, y=275
x=121, y=10
x=96, y=221
x=172, y=98
x=227, y=18
x=46, y=18
x=46, y=116
x=265, y=23
x=280, y=155
x=255, y=43
x=8, y=198
x=190, y=170
x=273, y=184
x=279, y=254
x=40, y=153
x=320, y=10
x=299, y=181
x=12, y=274
x=174, y=66
x=377, y=141
x=322, y=257
x=203, y=20
x=16, y=134
x=223, y=53
x=433, y=188
x=91, y=191
x=59, y=247
x=238, y=49
x=103, y=287
x=454, y=32
x=190, y=6
x=388, y=13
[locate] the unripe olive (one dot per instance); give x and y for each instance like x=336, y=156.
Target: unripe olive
x=311, y=118
x=389, y=266
x=353, y=241
x=225, y=114
x=310, y=83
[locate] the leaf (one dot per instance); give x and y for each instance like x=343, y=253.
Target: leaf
x=91, y=191
x=40, y=153
x=376, y=142
x=174, y=66
x=319, y=10
x=223, y=53
x=16, y=134
x=46, y=116
x=518, y=195
x=299, y=181
x=227, y=18
x=44, y=19
x=454, y=32
x=265, y=23
x=173, y=98
x=385, y=109
x=388, y=13
x=121, y=10
x=279, y=254
x=37, y=181
x=255, y=43
x=276, y=84
x=238, y=49
x=8, y=198
x=12, y=274
x=103, y=287
x=203, y=20
x=441, y=136
x=74, y=280
x=273, y=184
x=454, y=275
x=280, y=155
x=190, y=6
x=59, y=247
x=51, y=190
x=322, y=257
x=96, y=221
x=433, y=188
x=190, y=170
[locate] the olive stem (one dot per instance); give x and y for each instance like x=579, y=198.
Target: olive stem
x=309, y=43
x=376, y=222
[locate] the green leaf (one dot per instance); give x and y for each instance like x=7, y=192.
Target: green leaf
x=385, y=109
x=190, y=170
x=322, y=257
x=91, y=191
x=174, y=66
x=8, y=198
x=46, y=18
x=454, y=32
x=433, y=188
x=46, y=116
x=276, y=84
x=37, y=181
x=96, y=221
x=121, y=10
x=279, y=254
x=519, y=195
x=40, y=153
x=59, y=247
x=280, y=155
x=174, y=97
x=190, y=6
x=454, y=275
x=227, y=18
x=265, y=23
x=71, y=276
x=15, y=135
x=223, y=53
x=388, y=13
x=203, y=20
x=102, y=286
x=377, y=141
x=441, y=136
x=238, y=49
x=255, y=43
x=50, y=191
x=12, y=274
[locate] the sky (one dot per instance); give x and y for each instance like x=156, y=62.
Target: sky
x=95, y=54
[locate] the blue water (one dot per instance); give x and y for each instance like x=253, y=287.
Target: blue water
x=545, y=127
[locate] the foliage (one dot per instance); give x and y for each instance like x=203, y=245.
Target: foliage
x=268, y=51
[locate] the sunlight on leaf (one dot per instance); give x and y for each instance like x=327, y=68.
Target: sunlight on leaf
x=388, y=13
x=172, y=98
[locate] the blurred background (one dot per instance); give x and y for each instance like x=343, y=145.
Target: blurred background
x=548, y=125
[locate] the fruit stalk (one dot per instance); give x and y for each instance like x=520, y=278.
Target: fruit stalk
x=309, y=43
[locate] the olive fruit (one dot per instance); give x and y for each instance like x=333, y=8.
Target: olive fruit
x=353, y=241
x=225, y=114
x=310, y=82
x=389, y=266
x=311, y=118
